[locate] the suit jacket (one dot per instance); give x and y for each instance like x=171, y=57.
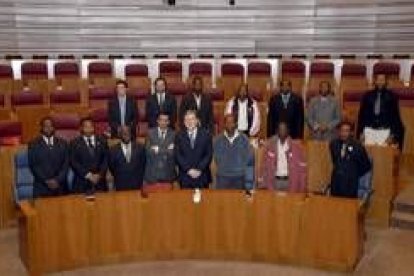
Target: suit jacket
x=48, y=163
x=83, y=161
x=153, y=109
x=198, y=157
x=347, y=169
x=114, y=115
x=293, y=115
x=160, y=157
x=127, y=175
x=323, y=112
x=389, y=116
x=205, y=112
x=296, y=165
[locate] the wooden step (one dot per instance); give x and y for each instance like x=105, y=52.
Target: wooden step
x=402, y=220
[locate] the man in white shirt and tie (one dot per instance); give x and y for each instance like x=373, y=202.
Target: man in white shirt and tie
x=89, y=160
x=127, y=162
x=193, y=152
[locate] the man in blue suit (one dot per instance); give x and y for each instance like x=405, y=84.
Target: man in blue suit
x=193, y=151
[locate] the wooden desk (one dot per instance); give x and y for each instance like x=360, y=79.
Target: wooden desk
x=69, y=232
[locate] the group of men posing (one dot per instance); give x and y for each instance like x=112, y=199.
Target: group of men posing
x=185, y=155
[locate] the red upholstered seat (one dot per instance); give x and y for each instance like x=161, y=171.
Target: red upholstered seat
x=232, y=69
x=259, y=68
x=387, y=68
x=256, y=94
x=293, y=68
x=102, y=68
x=101, y=93
x=216, y=94
x=34, y=70
x=2, y=100
x=142, y=129
x=200, y=69
x=10, y=133
x=63, y=69
x=26, y=98
x=136, y=70
x=322, y=68
x=405, y=96
x=66, y=125
x=351, y=96
x=6, y=71
x=139, y=93
x=65, y=97
x=177, y=88
x=170, y=68
x=100, y=118
x=354, y=70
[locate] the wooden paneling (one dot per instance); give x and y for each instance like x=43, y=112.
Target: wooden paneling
x=68, y=232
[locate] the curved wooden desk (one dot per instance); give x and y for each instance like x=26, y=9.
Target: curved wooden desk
x=69, y=232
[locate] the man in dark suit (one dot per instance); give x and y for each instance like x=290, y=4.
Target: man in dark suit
x=122, y=110
x=379, y=110
x=89, y=160
x=160, y=170
x=286, y=107
x=200, y=102
x=127, y=162
x=49, y=161
x=193, y=152
x=161, y=100
x=350, y=162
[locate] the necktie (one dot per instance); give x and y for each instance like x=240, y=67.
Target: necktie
x=91, y=148
x=377, y=105
x=343, y=150
x=161, y=99
x=49, y=142
x=163, y=135
x=285, y=100
x=128, y=153
x=122, y=107
x=192, y=139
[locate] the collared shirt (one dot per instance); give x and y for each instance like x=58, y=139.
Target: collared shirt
x=162, y=133
x=197, y=99
x=91, y=138
x=161, y=98
x=48, y=140
x=282, y=162
x=127, y=150
x=192, y=134
x=285, y=99
x=242, y=117
x=231, y=139
x=122, y=108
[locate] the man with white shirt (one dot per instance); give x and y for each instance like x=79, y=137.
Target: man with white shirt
x=245, y=110
x=127, y=162
x=160, y=171
x=48, y=161
x=201, y=103
x=232, y=153
x=283, y=165
x=193, y=153
x=89, y=160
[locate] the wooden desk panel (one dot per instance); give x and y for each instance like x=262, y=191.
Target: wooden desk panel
x=68, y=232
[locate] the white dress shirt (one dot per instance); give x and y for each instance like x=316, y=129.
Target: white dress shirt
x=282, y=162
x=197, y=99
x=232, y=138
x=242, y=118
x=48, y=140
x=92, y=139
x=127, y=150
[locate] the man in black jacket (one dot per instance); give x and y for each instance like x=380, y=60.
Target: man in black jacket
x=127, y=162
x=161, y=100
x=379, y=110
x=201, y=103
x=350, y=162
x=122, y=110
x=286, y=107
x=89, y=160
x=49, y=161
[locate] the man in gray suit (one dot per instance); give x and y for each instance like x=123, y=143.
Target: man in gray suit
x=323, y=114
x=160, y=172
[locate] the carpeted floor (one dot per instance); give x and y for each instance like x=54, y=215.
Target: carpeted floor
x=388, y=252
